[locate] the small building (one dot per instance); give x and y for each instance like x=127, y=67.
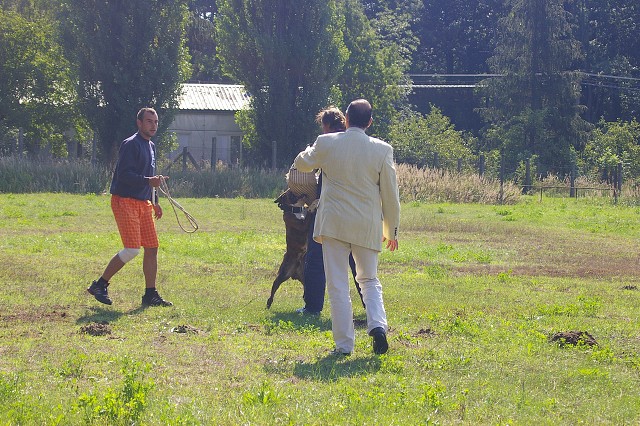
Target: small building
x=205, y=124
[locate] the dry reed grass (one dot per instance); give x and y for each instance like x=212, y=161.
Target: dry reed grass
x=584, y=185
x=435, y=185
x=18, y=175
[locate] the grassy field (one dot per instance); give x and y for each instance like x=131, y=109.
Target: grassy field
x=473, y=297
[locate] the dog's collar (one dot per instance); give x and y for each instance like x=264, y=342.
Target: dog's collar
x=299, y=211
x=292, y=209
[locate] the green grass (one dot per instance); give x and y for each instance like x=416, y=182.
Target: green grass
x=472, y=296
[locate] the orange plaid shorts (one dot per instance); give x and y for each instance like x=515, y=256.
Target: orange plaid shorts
x=135, y=222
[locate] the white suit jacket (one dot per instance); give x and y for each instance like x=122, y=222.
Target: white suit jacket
x=359, y=201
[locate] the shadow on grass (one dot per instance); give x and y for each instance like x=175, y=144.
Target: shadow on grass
x=323, y=323
x=302, y=321
x=332, y=367
x=100, y=314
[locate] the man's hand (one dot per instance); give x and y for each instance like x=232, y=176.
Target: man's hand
x=392, y=245
x=155, y=181
x=157, y=211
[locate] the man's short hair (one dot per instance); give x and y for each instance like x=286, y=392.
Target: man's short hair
x=359, y=113
x=145, y=110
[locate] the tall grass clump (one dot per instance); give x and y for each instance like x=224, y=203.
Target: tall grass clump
x=18, y=175
x=586, y=186
x=224, y=182
x=630, y=193
x=435, y=185
x=21, y=175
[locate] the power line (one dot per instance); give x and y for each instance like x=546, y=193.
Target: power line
x=485, y=75
x=611, y=86
x=615, y=77
x=456, y=75
x=447, y=81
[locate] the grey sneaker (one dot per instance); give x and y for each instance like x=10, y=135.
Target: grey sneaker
x=305, y=311
x=154, y=299
x=100, y=292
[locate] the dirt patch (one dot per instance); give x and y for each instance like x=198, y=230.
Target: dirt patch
x=574, y=338
x=185, y=329
x=425, y=332
x=601, y=268
x=96, y=328
x=526, y=251
x=37, y=314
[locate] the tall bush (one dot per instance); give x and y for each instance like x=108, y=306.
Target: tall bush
x=417, y=139
x=612, y=143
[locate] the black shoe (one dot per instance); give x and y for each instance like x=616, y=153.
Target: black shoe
x=380, y=345
x=305, y=311
x=154, y=299
x=99, y=291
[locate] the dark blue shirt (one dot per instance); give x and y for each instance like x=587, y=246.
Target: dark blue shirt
x=136, y=162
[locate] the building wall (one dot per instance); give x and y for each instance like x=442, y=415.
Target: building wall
x=209, y=136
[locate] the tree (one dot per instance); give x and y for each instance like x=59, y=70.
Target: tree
x=288, y=54
x=533, y=108
x=419, y=139
x=201, y=42
x=395, y=22
x=128, y=55
x=608, y=31
x=374, y=70
x=36, y=93
x=456, y=36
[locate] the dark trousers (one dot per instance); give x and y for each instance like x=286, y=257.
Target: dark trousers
x=314, y=279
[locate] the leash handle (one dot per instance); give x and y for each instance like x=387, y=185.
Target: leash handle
x=164, y=189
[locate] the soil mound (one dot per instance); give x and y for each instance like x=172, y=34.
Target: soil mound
x=96, y=328
x=574, y=338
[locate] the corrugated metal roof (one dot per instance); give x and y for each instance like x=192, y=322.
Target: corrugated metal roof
x=213, y=97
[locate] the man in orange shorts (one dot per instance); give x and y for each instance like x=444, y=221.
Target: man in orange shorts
x=134, y=205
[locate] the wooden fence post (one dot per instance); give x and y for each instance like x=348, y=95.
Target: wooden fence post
x=619, y=177
x=214, y=159
x=94, y=150
x=20, y=142
x=527, y=176
x=274, y=148
x=501, y=195
x=185, y=152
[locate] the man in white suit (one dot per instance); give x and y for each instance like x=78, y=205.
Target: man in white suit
x=359, y=209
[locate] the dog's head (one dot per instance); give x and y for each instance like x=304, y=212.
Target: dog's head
x=288, y=198
x=292, y=203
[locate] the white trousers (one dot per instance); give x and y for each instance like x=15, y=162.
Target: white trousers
x=335, y=254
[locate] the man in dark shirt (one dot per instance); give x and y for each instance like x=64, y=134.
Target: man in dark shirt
x=134, y=205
